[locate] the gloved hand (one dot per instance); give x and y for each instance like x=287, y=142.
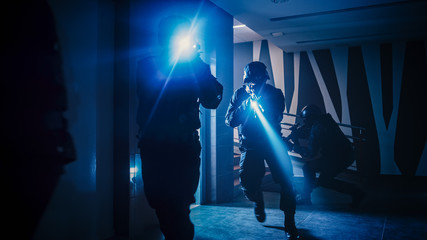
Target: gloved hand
x=246, y=104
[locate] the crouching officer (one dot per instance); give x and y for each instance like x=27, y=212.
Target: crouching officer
x=328, y=153
x=256, y=146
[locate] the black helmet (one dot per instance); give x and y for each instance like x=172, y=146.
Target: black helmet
x=255, y=72
x=310, y=111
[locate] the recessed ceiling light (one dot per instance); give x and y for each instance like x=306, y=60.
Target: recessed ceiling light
x=277, y=34
x=239, y=26
x=279, y=1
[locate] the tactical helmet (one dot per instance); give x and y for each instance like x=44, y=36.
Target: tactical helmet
x=255, y=72
x=310, y=111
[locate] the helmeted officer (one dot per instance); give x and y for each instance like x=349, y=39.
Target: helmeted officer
x=256, y=146
x=170, y=89
x=328, y=153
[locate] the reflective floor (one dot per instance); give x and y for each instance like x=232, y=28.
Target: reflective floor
x=322, y=220
x=391, y=210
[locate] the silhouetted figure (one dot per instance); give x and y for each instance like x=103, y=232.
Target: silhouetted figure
x=35, y=144
x=256, y=141
x=170, y=87
x=328, y=152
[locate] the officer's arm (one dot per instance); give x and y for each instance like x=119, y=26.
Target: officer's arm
x=279, y=105
x=209, y=88
x=310, y=150
x=275, y=105
x=236, y=112
x=313, y=149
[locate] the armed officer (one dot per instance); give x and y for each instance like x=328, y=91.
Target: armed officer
x=255, y=141
x=328, y=153
x=170, y=87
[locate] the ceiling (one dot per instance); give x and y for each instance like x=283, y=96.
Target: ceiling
x=296, y=25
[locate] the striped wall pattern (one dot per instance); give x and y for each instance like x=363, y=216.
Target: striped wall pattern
x=381, y=87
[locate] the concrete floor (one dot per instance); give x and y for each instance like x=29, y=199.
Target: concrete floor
x=390, y=211
x=322, y=220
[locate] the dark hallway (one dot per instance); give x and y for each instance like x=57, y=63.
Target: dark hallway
x=73, y=84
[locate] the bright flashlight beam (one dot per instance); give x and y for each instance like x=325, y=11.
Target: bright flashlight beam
x=278, y=146
x=175, y=61
x=185, y=43
x=255, y=105
x=184, y=46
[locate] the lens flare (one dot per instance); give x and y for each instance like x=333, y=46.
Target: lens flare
x=184, y=46
x=185, y=43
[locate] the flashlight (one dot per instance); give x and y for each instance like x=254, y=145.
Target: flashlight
x=250, y=88
x=185, y=44
x=255, y=105
x=184, y=47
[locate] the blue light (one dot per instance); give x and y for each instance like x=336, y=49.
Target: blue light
x=133, y=172
x=256, y=106
x=276, y=141
x=184, y=46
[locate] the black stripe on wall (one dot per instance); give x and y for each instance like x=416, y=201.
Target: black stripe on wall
x=327, y=69
x=411, y=132
x=288, y=61
x=265, y=58
x=387, y=81
x=309, y=91
x=361, y=114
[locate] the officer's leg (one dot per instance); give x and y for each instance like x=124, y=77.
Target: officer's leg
x=282, y=173
x=327, y=179
x=287, y=194
x=156, y=189
x=172, y=209
x=170, y=181
x=174, y=220
x=309, y=182
x=288, y=206
x=252, y=170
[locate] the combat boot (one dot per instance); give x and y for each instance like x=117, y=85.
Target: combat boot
x=259, y=210
x=290, y=228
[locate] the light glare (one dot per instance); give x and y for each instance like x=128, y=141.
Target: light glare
x=276, y=141
x=184, y=47
x=185, y=43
